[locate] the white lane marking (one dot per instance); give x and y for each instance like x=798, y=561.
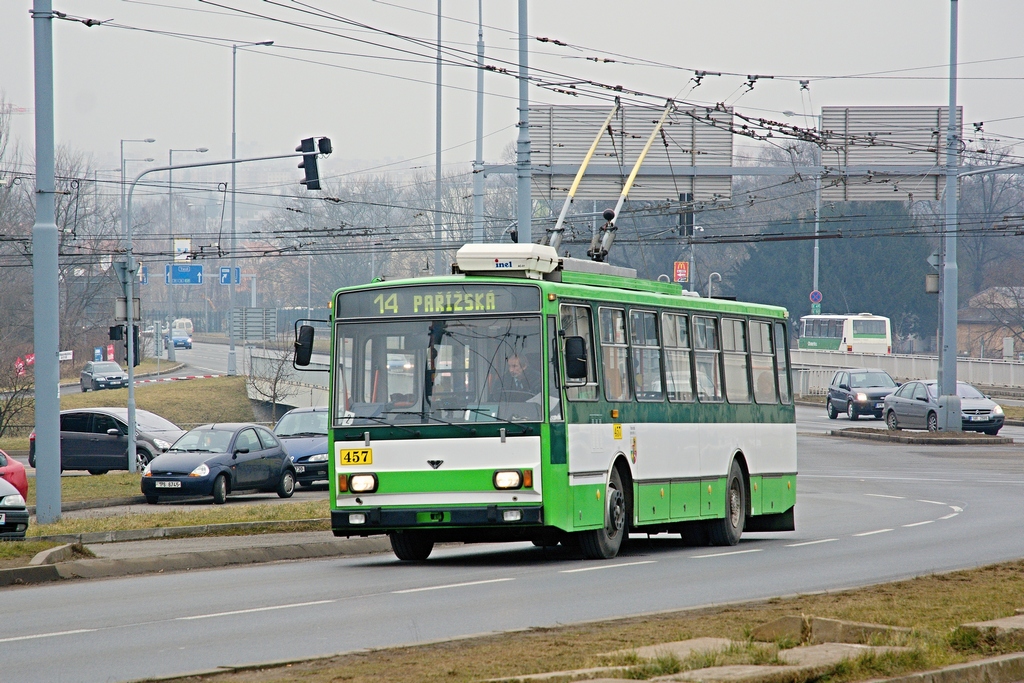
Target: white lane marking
x=931, y=502
x=449, y=585
x=956, y=509
x=880, y=495
x=255, y=609
x=734, y=552
x=823, y=540
x=950, y=515
x=48, y=635
x=871, y=533
x=607, y=566
x=907, y=526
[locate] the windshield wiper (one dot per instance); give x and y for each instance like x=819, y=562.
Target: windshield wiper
x=384, y=422
x=286, y=436
x=525, y=429
x=468, y=430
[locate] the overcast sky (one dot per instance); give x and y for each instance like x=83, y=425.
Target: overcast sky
x=377, y=103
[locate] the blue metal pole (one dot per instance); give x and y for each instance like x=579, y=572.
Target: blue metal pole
x=524, y=204
x=949, y=417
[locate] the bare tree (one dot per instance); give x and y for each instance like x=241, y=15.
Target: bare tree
x=269, y=373
x=17, y=381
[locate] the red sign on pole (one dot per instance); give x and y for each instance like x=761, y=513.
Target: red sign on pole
x=110, y=352
x=682, y=271
x=30, y=359
x=19, y=367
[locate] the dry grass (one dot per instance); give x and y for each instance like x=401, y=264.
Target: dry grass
x=90, y=487
x=220, y=514
x=1013, y=412
x=933, y=606
x=18, y=553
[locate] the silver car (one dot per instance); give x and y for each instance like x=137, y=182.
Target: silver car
x=915, y=405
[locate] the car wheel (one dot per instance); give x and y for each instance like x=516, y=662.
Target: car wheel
x=411, y=546
x=992, y=432
x=286, y=487
x=151, y=500
x=83, y=387
x=727, y=531
x=890, y=421
x=933, y=422
x=97, y=472
x=831, y=409
x=142, y=458
x=220, y=489
x=851, y=411
x=604, y=543
x=32, y=460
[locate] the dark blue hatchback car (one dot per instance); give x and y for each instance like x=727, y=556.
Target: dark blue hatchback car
x=304, y=433
x=218, y=459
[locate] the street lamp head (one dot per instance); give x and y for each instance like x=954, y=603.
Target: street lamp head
x=266, y=43
x=202, y=150
x=148, y=159
x=150, y=140
x=789, y=113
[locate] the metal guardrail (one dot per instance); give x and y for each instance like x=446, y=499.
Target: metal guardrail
x=813, y=370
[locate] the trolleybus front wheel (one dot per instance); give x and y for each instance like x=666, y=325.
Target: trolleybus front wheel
x=411, y=546
x=603, y=544
x=727, y=531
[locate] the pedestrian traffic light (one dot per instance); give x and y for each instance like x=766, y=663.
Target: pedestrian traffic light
x=135, y=344
x=310, y=148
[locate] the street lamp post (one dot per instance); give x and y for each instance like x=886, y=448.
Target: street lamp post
x=231, y=279
x=170, y=234
x=122, y=169
x=712, y=275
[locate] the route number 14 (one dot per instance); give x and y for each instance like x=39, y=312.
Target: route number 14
x=387, y=305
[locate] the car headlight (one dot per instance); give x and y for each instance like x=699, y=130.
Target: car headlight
x=508, y=479
x=147, y=471
x=200, y=471
x=12, y=501
x=362, y=483
x=862, y=397
x=161, y=444
x=998, y=410
x=319, y=457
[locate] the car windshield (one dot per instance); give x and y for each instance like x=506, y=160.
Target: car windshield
x=106, y=367
x=443, y=371
x=871, y=379
x=303, y=424
x=149, y=422
x=204, y=441
x=962, y=390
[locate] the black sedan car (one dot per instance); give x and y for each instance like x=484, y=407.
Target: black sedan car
x=916, y=406
x=13, y=513
x=218, y=459
x=304, y=433
x=857, y=392
x=102, y=375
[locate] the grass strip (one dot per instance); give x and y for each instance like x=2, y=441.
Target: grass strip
x=932, y=606
x=18, y=553
x=315, y=509
x=93, y=487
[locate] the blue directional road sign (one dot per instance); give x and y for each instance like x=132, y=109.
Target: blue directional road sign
x=225, y=275
x=175, y=274
x=144, y=275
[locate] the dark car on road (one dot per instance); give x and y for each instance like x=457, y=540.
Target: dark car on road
x=218, y=459
x=857, y=392
x=304, y=434
x=102, y=374
x=916, y=406
x=13, y=513
x=96, y=439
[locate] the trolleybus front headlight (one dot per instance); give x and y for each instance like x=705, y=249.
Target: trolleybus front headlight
x=362, y=483
x=508, y=479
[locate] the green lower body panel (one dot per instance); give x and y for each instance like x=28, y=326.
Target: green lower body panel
x=588, y=506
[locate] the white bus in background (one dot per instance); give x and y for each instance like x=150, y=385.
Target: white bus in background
x=861, y=333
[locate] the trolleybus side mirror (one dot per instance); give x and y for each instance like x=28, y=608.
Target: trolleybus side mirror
x=575, y=360
x=304, y=346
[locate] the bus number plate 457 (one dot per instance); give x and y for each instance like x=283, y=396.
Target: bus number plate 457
x=356, y=456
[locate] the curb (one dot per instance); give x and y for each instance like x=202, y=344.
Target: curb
x=74, y=505
x=172, y=531
x=104, y=568
x=925, y=441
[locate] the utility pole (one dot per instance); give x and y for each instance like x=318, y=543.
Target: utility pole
x=949, y=402
x=524, y=204
x=478, y=165
x=437, y=153
x=45, y=292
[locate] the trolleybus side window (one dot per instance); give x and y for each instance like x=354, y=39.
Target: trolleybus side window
x=678, y=377
x=781, y=362
x=577, y=322
x=614, y=354
x=705, y=358
x=734, y=343
x=643, y=331
x=761, y=362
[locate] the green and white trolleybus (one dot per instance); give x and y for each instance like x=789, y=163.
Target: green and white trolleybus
x=860, y=333
x=529, y=397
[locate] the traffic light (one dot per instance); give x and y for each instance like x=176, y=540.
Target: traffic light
x=310, y=148
x=135, y=343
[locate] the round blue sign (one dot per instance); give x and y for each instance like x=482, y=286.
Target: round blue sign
x=815, y=297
